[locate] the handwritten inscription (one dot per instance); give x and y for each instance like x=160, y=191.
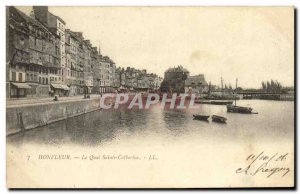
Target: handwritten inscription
x=262, y=163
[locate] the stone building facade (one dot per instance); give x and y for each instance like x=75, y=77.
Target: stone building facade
x=174, y=80
x=33, y=55
x=196, y=84
x=135, y=79
x=45, y=59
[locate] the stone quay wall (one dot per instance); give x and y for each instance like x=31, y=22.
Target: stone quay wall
x=20, y=118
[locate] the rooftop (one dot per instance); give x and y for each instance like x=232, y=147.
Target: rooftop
x=177, y=69
x=196, y=80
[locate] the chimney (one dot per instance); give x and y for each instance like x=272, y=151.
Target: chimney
x=79, y=34
x=41, y=13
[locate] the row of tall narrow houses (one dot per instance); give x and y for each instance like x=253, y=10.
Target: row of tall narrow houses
x=44, y=58
x=134, y=79
x=33, y=55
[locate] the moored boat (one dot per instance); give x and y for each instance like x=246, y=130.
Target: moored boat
x=201, y=117
x=218, y=119
x=221, y=102
x=202, y=101
x=239, y=109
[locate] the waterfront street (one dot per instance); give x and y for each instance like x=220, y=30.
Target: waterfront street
x=45, y=100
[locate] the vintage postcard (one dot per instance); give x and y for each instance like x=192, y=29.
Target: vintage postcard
x=150, y=97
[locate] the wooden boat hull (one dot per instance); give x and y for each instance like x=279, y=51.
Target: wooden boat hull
x=201, y=117
x=218, y=119
x=202, y=101
x=221, y=102
x=239, y=109
x=214, y=102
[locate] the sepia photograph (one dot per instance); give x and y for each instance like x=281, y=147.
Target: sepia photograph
x=150, y=97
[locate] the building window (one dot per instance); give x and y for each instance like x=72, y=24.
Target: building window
x=20, y=77
x=40, y=79
x=13, y=76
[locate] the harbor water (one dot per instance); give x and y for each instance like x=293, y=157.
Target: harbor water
x=166, y=145
x=274, y=121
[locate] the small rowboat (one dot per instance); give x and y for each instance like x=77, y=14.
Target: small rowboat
x=201, y=117
x=218, y=119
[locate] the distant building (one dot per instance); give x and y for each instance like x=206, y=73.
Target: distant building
x=96, y=69
x=135, y=79
x=174, y=80
x=106, y=78
x=157, y=82
x=75, y=57
x=196, y=84
x=120, y=78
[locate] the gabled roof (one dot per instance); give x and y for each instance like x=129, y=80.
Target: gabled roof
x=36, y=23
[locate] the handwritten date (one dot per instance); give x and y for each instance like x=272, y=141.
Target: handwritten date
x=265, y=164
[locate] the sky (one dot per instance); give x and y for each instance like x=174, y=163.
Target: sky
x=253, y=44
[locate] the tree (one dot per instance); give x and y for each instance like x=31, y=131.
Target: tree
x=273, y=86
x=268, y=86
x=239, y=89
x=264, y=87
x=278, y=87
x=226, y=88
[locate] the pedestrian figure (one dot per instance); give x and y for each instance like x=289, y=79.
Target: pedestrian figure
x=22, y=127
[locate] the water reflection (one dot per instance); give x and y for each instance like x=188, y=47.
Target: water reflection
x=104, y=127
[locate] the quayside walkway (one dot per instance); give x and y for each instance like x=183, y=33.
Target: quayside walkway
x=31, y=101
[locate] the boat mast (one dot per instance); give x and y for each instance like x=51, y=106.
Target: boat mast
x=222, y=85
x=236, y=81
x=209, y=89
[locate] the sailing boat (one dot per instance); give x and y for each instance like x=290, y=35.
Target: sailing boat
x=238, y=109
x=223, y=99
